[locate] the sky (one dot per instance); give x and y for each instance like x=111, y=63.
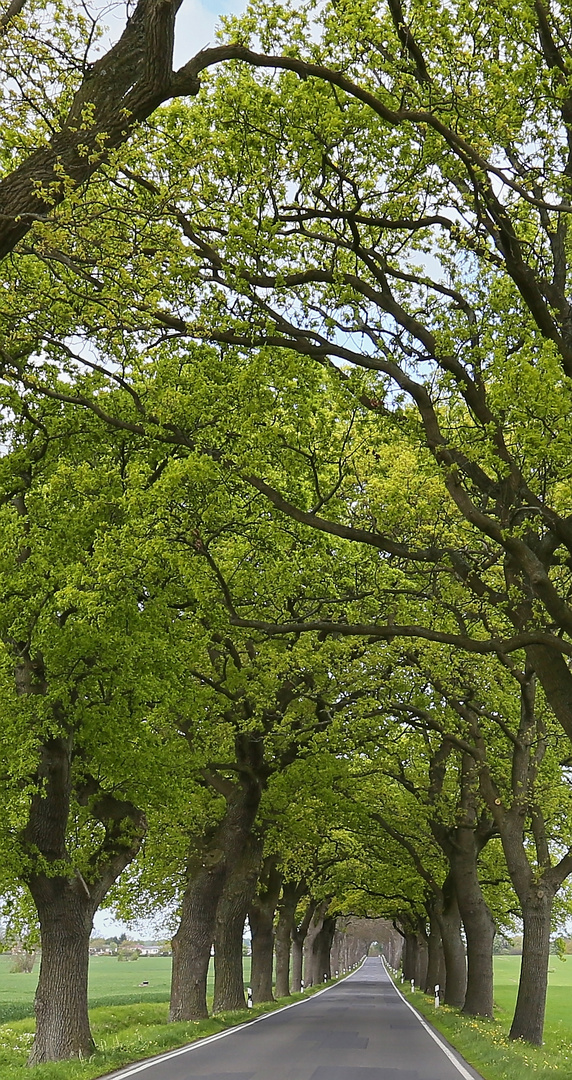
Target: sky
x=196, y=24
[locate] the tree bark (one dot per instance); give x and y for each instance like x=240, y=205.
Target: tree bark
x=422, y=960
x=410, y=956
x=453, y=948
x=207, y=871
x=66, y=903
x=262, y=929
x=193, y=941
x=312, y=932
x=478, y=922
x=299, y=934
x=283, y=938
x=230, y=919
x=321, y=947
x=435, y=957
x=261, y=919
x=528, y=1020
x=66, y=919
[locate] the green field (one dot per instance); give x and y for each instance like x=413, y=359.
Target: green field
x=110, y=983
x=559, y=998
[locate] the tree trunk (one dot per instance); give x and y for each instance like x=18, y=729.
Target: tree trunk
x=453, y=949
x=435, y=957
x=479, y=925
x=193, y=940
x=410, y=956
x=261, y=919
x=262, y=929
x=207, y=871
x=337, y=950
x=299, y=934
x=321, y=947
x=528, y=1020
x=62, y=1023
x=283, y=936
x=230, y=919
x=422, y=961
x=313, y=931
x=282, y=946
x=66, y=904
x=297, y=965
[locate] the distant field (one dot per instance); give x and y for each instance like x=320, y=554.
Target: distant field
x=110, y=983
x=559, y=998
x=115, y=983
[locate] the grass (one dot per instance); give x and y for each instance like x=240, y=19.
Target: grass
x=485, y=1043
x=129, y=1021
x=110, y=983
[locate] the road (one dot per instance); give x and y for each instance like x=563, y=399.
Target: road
x=360, y=1029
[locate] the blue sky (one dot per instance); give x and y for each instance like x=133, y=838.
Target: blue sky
x=196, y=23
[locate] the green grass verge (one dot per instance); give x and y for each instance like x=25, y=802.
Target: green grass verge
x=485, y=1043
x=124, y=1032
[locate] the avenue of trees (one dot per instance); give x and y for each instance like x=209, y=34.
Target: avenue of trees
x=286, y=494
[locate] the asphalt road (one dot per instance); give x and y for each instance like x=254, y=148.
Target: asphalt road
x=360, y=1029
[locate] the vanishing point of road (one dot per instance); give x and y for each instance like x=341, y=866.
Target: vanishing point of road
x=359, y=1029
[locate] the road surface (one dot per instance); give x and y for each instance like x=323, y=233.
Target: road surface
x=360, y=1029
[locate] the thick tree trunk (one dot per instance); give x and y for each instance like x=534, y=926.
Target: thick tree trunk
x=299, y=934
x=321, y=947
x=312, y=933
x=453, y=949
x=282, y=947
x=528, y=1020
x=337, y=949
x=261, y=919
x=66, y=904
x=435, y=957
x=207, y=871
x=193, y=941
x=262, y=929
x=297, y=965
x=230, y=919
x=479, y=925
x=62, y=1023
x=422, y=963
x=410, y=956
x=283, y=936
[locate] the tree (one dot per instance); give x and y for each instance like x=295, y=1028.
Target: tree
x=464, y=267
x=88, y=104
x=522, y=802
x=83, y=757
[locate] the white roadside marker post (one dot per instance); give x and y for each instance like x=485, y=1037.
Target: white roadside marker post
x=437, y=1002
x=413, y=986
x=249, y=996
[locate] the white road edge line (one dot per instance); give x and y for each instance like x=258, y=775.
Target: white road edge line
x=131, y=1070
x=436, y=1038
